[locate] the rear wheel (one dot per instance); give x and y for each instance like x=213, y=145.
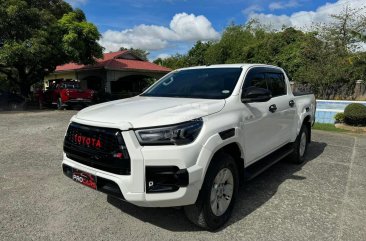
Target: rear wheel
x=301, y=146
x=219, y=190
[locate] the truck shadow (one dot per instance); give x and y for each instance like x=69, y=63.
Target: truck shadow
x=251, y=196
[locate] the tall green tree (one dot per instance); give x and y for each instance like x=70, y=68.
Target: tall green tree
x=345, y=31
x=196, y=55
x=174, y=62
x=337, y=61
x=327, y=58
x=38, y=35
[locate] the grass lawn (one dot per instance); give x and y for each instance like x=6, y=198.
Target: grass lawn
x=327, y=127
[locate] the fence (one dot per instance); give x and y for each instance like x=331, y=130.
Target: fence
x=350, y=91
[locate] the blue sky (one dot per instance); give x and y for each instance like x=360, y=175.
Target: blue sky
x=166, y=27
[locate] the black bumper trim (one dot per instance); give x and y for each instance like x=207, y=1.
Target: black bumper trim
x=103, y=185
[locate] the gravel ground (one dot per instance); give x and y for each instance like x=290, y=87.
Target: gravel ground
x=324, y=199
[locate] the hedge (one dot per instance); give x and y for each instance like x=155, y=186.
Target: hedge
x=355, y=114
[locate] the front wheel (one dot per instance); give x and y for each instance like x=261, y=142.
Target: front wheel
x=59, y=104
x=219, y=190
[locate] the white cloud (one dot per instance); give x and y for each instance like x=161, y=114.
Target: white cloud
x=191, y=27
x=283, y=5
x=76, y=2
x=304, y=19
x=183, y=27
x=359, y=47
x=163, y=56
x=252, y=9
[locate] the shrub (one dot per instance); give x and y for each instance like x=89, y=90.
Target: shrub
x=339, y=117
x=355, y=114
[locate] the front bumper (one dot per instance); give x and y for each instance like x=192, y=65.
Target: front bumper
x=77, y=102
x=147, y=165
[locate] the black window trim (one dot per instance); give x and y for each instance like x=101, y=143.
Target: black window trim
x=284, y=79
x=265, y=70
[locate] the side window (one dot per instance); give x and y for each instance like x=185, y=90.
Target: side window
x=256, y=80
x=276, y=84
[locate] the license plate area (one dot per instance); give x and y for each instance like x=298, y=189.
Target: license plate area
x=84, y=178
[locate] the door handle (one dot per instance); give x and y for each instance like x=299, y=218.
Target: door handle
x=273, y=108
x=291, y=103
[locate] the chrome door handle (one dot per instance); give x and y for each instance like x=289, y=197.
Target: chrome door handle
x=273, y=108
x=291, y=103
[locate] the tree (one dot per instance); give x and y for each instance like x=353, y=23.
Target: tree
x=174, y=62
x=196, y=55
x=346, y=29
x=142, y=54
x=338, y=62
x=326, y=58
x=38, y=35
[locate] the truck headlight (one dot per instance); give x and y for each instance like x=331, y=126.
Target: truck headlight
x=179, y=134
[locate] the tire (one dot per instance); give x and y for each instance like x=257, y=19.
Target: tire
x=59, y=104
x=300, y=146
x=221, y=173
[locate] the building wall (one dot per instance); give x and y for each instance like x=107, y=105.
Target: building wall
x=360, y=90
x=98, y=74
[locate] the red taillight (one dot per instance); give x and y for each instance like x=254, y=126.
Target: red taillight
x=118, y=155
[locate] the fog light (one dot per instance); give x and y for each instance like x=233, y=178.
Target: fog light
x=165, y=179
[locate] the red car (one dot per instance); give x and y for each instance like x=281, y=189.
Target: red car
x=67, y=93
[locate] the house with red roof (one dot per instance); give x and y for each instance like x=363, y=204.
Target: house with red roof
x=119, y=72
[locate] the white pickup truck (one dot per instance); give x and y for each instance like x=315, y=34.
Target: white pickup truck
x=191, y=138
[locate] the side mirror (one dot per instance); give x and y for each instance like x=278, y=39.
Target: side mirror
x=255, y=94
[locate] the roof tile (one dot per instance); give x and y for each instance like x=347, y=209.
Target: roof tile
x=110, y=61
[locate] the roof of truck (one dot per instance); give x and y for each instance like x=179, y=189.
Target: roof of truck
x=242, y=65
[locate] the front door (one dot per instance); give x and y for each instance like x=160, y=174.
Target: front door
x=266, y=125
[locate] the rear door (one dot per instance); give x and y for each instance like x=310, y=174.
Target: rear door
x=285, y=110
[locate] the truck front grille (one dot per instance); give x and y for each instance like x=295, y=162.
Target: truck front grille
x=101, y=148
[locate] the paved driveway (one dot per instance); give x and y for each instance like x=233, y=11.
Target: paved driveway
x=324, y=199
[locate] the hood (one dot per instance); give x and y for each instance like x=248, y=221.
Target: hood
x=141, y=111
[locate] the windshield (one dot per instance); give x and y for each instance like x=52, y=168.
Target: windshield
x=206, y=83
x=70, y=86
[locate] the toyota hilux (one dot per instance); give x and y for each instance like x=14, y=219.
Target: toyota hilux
x=191, y=139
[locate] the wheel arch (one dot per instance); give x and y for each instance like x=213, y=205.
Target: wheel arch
x=307, y=123
x=233, y=149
